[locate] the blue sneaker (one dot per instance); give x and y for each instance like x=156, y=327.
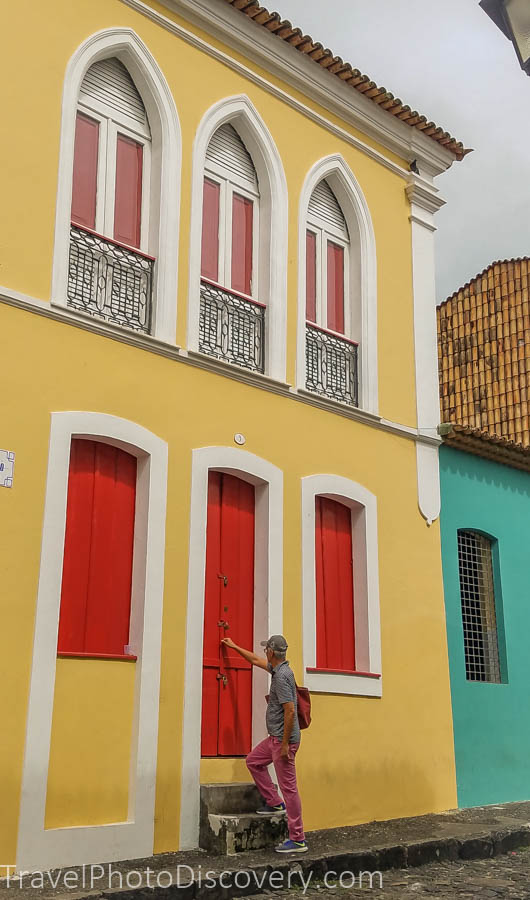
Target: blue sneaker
x=271, y=810
x=292, y=847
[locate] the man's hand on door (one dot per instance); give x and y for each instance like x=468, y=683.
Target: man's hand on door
x=228, y=642
x=246, y=654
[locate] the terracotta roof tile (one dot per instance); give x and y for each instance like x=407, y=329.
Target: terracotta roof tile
x=283, y=29
x=484, y=356
x=482, y=443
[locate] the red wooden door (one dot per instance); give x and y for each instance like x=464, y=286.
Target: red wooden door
x=229, y=601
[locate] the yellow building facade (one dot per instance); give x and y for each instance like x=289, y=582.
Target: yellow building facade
x=101, y=752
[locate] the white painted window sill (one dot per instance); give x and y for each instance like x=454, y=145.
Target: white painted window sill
x=354, y=684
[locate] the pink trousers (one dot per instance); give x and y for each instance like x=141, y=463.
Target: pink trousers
x=265, y=753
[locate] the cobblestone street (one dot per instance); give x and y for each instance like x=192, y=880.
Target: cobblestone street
x=504, y=876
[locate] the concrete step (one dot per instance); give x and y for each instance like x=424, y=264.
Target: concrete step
x=241, y=797
x=229, y=823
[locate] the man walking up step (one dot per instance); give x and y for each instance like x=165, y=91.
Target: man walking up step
x=281, y=745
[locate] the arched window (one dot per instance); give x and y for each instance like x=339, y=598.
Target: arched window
x=231, y=317
x=337, y=288
x=117, y=217
x=230, y=213
x=331, y=351
x=327, y=249
x=110, y=270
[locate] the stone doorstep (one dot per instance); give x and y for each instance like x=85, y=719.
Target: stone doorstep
x=207, y=880
x=236, y=834
x=231, y=799
x=229, y=823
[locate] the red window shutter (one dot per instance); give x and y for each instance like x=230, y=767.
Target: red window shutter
x=128, y=192
x=311, y=276
x=98, y=550
x=78, y=536
x=210, y=230
x=85, y=175
x=242, y=216
x=335, y=287
x=334, y=586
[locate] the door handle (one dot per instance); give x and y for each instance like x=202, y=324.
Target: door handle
x=222, y=624
x=225, y=579
x=222, y=678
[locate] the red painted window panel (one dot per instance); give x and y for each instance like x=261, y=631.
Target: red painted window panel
x=98, y=550
x=128, y=191
x=227, y=708
x=242, y=223
x=85, y=174
x=334, y=586
x=335, y=287
x=210, y=230
x=311, y=276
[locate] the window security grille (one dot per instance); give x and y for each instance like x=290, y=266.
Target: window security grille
x=478, y=607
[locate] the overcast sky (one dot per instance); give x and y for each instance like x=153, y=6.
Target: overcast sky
x=446, y=59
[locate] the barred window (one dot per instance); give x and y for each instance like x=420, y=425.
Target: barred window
x=477, y=596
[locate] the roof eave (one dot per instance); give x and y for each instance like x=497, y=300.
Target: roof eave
x=299, y=70
x=491, y=447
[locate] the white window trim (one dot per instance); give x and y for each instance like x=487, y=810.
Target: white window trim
x=94, y=106
x=229, y=186
x=366, y=586
x=124, y=44
x=324, y=234
x=41, y=848
x=273, y=221
x=109, y=129
x=363, y=308
x=268, y=592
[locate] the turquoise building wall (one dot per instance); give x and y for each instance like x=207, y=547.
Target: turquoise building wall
x=491, y=721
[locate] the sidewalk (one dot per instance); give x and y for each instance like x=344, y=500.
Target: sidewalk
x=195, y=875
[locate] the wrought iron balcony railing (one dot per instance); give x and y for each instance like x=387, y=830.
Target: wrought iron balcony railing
x=231, y=327
x=109, y=280
x=331, y=365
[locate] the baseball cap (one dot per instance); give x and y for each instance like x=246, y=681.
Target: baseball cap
x=276, y=642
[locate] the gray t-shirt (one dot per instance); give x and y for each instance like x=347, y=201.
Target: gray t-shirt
x=283, y=690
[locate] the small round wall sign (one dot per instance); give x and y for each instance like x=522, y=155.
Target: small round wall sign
x=239, y=438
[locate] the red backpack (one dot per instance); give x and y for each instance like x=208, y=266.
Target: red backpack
x=303, y=704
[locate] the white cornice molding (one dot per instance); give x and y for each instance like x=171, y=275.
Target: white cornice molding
x=208, y=364
x=239, y=33
x=424, y=195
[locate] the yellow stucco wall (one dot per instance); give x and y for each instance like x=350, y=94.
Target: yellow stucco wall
x=361, y=759
x=368, y=745
x=300, y=142
x=90, y=742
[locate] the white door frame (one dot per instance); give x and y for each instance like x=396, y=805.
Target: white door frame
x=268, y=599
x=41, y=848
